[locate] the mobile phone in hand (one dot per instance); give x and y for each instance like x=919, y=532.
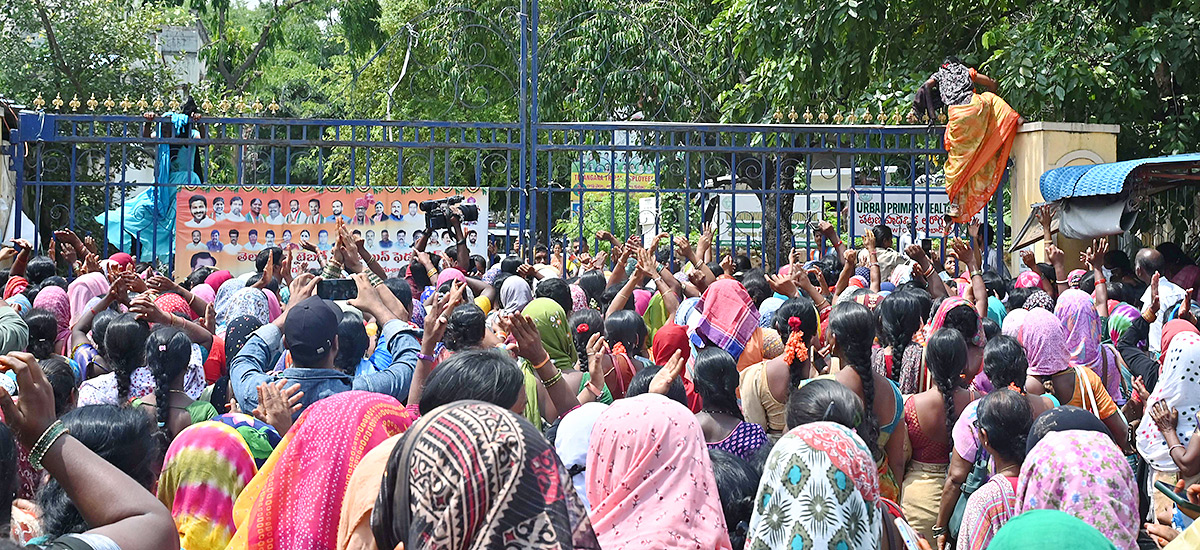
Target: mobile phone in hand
x=337, y=289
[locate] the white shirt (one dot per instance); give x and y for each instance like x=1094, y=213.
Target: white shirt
x=232, y=249
x=206, y=222
x=1169, y=294
x=255, y=247
x=233, y=217
x=275, y=220
x=197, y=246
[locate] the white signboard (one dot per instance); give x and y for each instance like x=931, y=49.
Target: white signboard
x=898, y=208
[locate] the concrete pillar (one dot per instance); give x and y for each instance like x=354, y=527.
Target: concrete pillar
x=1042, y=146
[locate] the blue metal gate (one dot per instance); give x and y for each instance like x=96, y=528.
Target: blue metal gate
x=548, y=182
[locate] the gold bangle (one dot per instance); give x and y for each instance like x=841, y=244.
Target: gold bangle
x=553, y=380
x=542, y=364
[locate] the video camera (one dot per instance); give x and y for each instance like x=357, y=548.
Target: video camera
x=437, y=212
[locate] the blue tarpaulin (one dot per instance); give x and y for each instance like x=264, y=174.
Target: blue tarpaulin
x=1098, y=179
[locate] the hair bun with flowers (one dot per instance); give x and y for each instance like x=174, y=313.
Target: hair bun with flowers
x=582, y=328
x=794, y=323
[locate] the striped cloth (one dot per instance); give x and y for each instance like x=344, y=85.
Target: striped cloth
x=205, y=470
x=727, y=318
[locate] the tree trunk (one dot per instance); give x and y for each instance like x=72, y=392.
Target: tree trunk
x=777, y=224
x=767, y=174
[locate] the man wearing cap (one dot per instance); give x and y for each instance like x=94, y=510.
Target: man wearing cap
x=308, y=331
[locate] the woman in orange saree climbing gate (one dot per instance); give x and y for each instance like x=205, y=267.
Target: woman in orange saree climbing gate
x=979, y=135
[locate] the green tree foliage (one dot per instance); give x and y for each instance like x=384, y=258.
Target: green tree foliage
x=82, y=47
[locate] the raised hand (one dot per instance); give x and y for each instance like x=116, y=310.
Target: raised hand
x=162, y=284
x=303, y=287
x=706, y=239
x=210, y=318
x=1045, y=213
x=1094, y=255
x=973, y=228
x=289, y=256
x=147, y=310
x=527, y=271
x=1055, y=255
x=267, y=277
x=276, y=404
x=825, y=228
x=850, y=258
x=597, y=350
x=1028, y=259
x=785, y=285
x=529, y=340
x=646, y=265
x=684, y=247
x=965, y=253
x=34, y=413
x=90, y=244
x=662, y=381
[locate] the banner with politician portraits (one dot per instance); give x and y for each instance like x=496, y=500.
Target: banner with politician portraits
x=226, y=227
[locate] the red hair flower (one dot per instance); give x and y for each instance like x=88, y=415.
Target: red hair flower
x=582, y=328
x=794, y=323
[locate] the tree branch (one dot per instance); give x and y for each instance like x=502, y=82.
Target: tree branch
x=55, y=49
x=261, y=44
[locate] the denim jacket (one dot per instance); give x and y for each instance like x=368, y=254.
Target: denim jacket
x=250, y=367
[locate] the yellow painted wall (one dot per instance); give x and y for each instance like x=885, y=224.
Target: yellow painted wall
x=1042, y=146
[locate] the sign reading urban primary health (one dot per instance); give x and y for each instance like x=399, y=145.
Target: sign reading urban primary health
x=226, y=227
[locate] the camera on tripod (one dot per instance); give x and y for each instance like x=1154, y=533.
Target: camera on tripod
x=437, y=212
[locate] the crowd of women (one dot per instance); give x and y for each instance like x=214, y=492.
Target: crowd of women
x=648, y=396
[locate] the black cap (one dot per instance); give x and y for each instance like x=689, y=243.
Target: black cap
x=310, y=328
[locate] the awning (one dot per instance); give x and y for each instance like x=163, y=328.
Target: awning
x=1148, y=175
x=1110, y=178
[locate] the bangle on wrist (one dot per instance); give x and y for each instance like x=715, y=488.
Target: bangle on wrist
x=47, y=439
x=427, y=358
x=1062, y=282
x=1172, y=448
x=544, y=362
x=1100, y=281
x=553, y=380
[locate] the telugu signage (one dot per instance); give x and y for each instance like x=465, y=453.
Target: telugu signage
x=899, y=208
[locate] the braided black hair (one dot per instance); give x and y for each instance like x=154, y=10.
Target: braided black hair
x=853, y=327
x=595, y=325
x=125, y=349
x=946, y=357
x=901, y=315
x=168, y=352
